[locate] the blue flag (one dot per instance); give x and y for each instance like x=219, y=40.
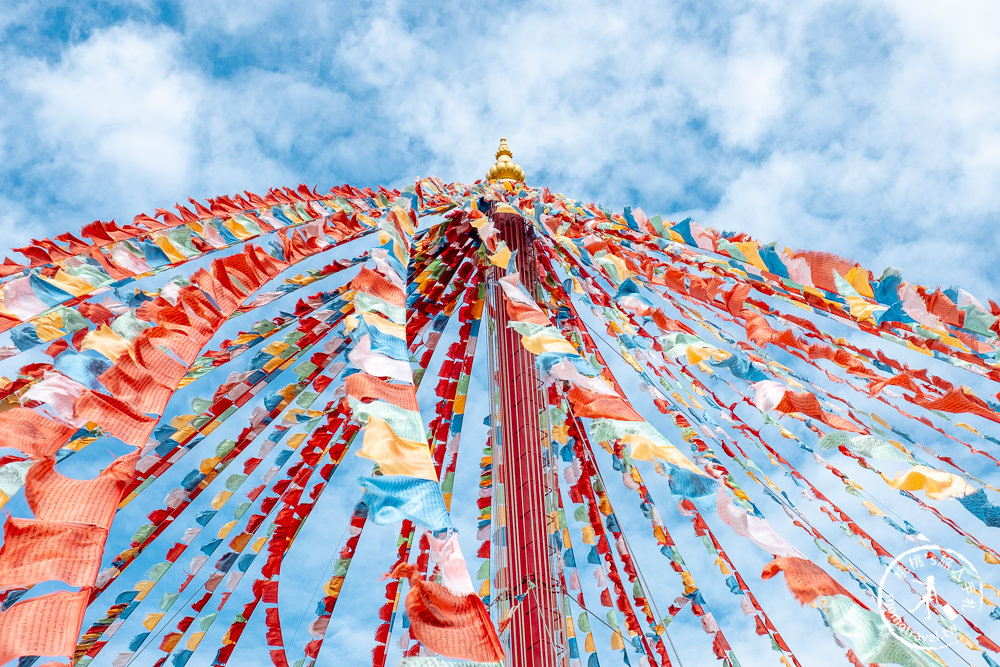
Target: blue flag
x=392, y=498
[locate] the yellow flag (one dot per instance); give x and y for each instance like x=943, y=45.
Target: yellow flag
x=394, y=455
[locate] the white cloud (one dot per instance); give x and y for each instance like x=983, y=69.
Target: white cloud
x=123, y=122
x=12, y=228
x=555, y=83
x=963, y=38
x=763, y=199
x=743, y=91
x=118, y=102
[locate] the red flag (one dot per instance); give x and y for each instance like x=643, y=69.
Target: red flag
x=32, y=432
x=456, y=626
x=805, y=579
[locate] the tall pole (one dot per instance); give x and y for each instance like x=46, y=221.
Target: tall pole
x=535, y=616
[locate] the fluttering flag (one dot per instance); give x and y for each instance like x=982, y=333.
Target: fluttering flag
x=806, y=580
x=866, y=631
x=393, y=498
x=31, y=432
x=448, y=555
x=452, y=625
x=395, y=455
x=35, y=551
x=45, y=625
x=753, y=527
x=936, y=484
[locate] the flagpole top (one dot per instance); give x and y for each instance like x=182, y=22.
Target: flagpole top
x=505, y=169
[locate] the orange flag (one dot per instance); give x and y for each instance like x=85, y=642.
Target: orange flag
x=394, y=455
x=590, y=404
x=363, y=386
x=36, y=551
x=32, y=432
x=956, y=401
x=456, y=626
x=46, y=625
x=53, y=497
x=136, y=385
x=808, y=404
x=805, y=579
x=372, y=283
x=116, y=417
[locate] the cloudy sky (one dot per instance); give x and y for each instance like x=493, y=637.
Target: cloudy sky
x=868, y=129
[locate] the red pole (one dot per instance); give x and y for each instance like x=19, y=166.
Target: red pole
x=536, y=621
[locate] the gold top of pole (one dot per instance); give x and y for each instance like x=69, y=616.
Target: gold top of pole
x=505, y=169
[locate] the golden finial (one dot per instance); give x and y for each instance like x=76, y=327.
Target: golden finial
x=505, y=169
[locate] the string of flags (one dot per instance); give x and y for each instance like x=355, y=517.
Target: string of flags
x=185, y=398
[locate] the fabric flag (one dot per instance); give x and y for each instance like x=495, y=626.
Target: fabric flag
x=84, y=368
x=394, y=455
x=57, y=391
x=589, y=404
x=739, y=364
x=522, y=312
x=753, y=527
x=405, y=424
x=364, y=386
x=980, y=506
x=375, y=363
x=452, y=625
x=646, y=442
x=131, y=382
x=546, y=340
x=46, y=625
x=116, y=417
x=771, y=395
x=385, y=325
x=54, y=497
x=20, y=299
x=867, y=446
x=808, y=404
x=866, y=631
x=566, y=370
x=105, y=341
x=372, y=283
x=394, y=498
x=36, y=551
x=805, y=579
x=448, y=555
x=956, y=400
x=388, y=345
x=31, y=432
x=937, y=484
x=549, y=360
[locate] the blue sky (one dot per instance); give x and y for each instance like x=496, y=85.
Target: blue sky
x=867, y=129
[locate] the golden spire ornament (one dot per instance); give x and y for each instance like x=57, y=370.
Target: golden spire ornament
x=505, y=169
